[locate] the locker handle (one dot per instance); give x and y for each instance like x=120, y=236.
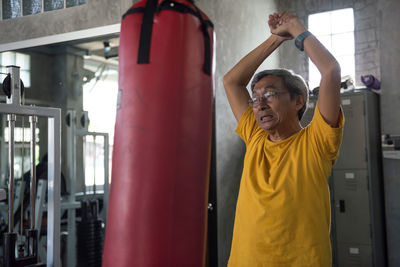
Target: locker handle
x=341, y=206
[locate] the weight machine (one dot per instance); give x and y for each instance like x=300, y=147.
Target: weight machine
x=72, y=134
x=13, y=108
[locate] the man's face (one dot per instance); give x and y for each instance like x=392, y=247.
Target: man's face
x=278, y=111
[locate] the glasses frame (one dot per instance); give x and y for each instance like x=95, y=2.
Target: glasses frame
x=268, y=96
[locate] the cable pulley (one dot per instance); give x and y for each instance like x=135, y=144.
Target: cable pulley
x=7, y=85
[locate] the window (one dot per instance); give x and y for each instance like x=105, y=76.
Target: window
x=335, y=30
x=22, y=139
x=100, y=100
x=13, y=8
x=18, y=59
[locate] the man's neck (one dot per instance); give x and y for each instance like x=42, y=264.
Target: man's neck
x=283, y=133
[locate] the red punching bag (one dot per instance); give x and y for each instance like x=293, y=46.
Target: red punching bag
x=157, y=209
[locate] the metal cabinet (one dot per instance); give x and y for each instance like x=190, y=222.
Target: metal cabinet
x=357, y=232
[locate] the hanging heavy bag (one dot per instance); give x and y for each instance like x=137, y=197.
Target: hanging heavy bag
x=157, y=210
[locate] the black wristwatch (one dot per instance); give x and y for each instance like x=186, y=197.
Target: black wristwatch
x=299, y=41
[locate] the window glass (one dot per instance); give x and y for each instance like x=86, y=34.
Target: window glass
x=30, y=7
x=335, y=30
x=18, y=59
x=342, y=21
x=320, y=23
x=100, y=100
x=343, y=44
x=71, y=3
x=53, y=4
x=346, y=65
x=22, y=138
x=11, y=9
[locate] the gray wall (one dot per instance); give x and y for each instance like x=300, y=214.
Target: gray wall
x=93, y=14
x=376, y=52
x=389, y=20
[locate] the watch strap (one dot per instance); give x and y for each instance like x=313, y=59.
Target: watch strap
x=299, y=41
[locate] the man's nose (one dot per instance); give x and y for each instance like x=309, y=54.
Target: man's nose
x=263, y=105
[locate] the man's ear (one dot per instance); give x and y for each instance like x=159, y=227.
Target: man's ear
x=300, y=101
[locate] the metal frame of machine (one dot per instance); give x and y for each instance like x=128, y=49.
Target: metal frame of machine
x=13, y=107
x=72, y=204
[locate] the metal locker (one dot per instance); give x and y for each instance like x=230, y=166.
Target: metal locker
x=353, y=107
x=353, y=150
x=357, y=227
x=351, y=205
x=355, y=255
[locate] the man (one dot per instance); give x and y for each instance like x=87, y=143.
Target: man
x=283, y=209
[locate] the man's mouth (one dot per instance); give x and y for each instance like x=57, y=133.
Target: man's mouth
x=266, y=118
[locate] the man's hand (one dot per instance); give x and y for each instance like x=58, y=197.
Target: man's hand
x=285, y=25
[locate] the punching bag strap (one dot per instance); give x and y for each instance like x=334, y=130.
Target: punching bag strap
x=147, y=27
x=207, y=43
x=145, y=33
x=179, y=7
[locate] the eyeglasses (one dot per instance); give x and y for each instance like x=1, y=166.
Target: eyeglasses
x=268, y=96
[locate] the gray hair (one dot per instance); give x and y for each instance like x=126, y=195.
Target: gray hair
x=293, y=82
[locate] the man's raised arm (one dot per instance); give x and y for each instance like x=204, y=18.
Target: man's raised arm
x=329, y=90
x=236, y=80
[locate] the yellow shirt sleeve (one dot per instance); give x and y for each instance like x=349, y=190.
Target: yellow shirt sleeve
x=247, y=126
x=326, y=139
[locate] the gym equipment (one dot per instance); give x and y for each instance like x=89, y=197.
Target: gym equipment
x=157, y=213
x=72, y=134
x=90, y=233
x=391, y=146
x=14, y=108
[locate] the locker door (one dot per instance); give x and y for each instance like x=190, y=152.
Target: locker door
x=354, y=255
x=353, y=150
x=351, y=206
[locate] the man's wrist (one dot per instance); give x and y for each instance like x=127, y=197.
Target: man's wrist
x=271, y=43
x=297, y=30
x=299, y=41
x=276, y=39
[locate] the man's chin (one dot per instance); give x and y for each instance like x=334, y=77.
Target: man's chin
x=267, y=126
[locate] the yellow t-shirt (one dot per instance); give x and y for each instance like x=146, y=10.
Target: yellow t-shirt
x=283, y=209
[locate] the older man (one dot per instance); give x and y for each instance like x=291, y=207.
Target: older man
x=283, y=208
